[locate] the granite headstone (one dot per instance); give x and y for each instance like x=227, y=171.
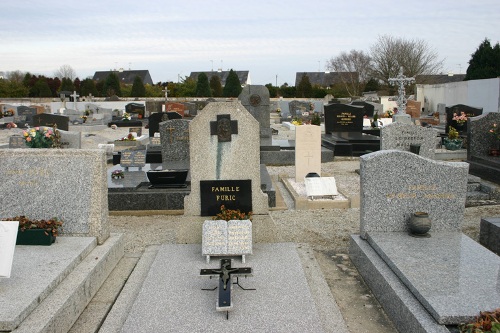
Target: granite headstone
x=400, y=136
x=174, y=135
x=343, y=118
x=255, y=98
x=46, y=119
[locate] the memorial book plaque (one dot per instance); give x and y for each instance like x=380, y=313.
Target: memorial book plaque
x=227, y=238
x=233, y=194
x=133, y=158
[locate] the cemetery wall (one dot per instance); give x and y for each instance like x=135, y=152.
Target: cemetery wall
x=476, y=93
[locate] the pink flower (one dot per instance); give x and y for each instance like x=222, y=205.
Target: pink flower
x=28, y=139
x=47, y=135
x=37, y=128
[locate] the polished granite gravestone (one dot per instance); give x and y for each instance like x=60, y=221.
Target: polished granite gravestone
x=46, y=119
x=422, y=283
x=489, y=234
x=469, y=111
x=481, y=162
x=343, y=118
x=350, y=143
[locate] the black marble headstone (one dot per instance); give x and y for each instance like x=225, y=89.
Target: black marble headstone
x=47, y=119
x=458, y=109
x=136, y=108
x=368, y=108
x=233, y=194
x=343, y=118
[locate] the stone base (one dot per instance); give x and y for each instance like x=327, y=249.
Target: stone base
x=51, y=286
x=350, y=143
x=303, y=203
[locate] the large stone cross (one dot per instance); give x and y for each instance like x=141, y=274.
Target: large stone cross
x=223, y=127
x=401, y=81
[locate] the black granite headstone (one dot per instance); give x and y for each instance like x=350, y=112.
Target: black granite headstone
x=343, y=118
x=136, y=108
x=233, y=194
x=458, y=109
x=28, y=113
x=47, y=119
x=368, y=108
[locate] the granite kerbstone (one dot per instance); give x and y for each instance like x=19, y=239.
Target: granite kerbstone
x=395, y=184
x=237, y=159
x=66, y=183
x=400, y=136
x=442, y=271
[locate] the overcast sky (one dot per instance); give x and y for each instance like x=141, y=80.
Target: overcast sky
x=271, y=39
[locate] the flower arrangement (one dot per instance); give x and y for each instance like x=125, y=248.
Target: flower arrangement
x=460, y=119
x=230, y=214
x=117, y=174
x=495, y=131
x=11, y=125
x=39, y=137
x=388, y=114
x=8, y=113
x=84, y=118
x=129, y=137
x=50, y=226
x=486, y=322
x=126, y=117
x=297, y=121
x=452, y=133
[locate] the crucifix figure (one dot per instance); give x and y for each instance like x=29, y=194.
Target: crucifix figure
x=225, y=274
x=401, y=81
x=223, y=127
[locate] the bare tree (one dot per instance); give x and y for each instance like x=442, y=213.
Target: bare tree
x=353, y=68
x=16, y=76
x=65, y=71
x=416, y=57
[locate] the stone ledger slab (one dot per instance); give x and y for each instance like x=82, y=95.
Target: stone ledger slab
x=451, y=275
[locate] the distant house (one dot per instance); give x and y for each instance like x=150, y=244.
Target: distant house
x=126, y=77
x=324, y=79
x=243, y=76
x=438, y=79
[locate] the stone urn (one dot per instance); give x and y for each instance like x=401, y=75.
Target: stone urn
x=420, y=224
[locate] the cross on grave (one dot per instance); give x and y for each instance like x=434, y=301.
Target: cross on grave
x=308, y=156
x=225, y=274
x=170, y=129
x=401, y=81
x=75, y=96
x=223, y=127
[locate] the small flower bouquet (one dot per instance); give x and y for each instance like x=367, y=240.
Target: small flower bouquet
x=297, y=121
x=230, y=214
x=39, y=137
x=84, y=118
x=388, y=114
x=126, y=117
x=117, y=174
x=460, y=119
x=129, y=137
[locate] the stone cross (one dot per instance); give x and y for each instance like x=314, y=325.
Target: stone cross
x=224, y=127
x=75, y=96
x=401, y=81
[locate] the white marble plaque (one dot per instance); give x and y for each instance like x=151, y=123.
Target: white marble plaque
x=320, y=186
x=8, y=235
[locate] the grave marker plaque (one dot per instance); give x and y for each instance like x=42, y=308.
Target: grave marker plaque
x=233, y=194
x=343, y=118
x=133, y=158
x=17, y=142
x=138, y=130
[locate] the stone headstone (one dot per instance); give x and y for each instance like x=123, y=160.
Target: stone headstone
x=137, y=130
x=224, y=141
x=70, y=139
x=17, y=141
x=343, y=118
x=296, y=108
x=307, y=151
x=400, y=136
x=458, y=109
x=174, y=135
x=255, y=99
x=133, y=158
x=395, y=184
x=369, y=108
x=136, y=109
x=175, y=107
x=155, y=119
x=28, y=113
x=46, y=119
x=441, y=108
x=69, y=184
x=413, y=108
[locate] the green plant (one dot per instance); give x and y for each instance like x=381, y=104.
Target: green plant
x=50, y=226
x=39, y=137
x=316, y=120
x=230, y=214
x=486, y=322
x=452, y=133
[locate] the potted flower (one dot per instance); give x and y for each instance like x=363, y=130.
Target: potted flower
x=453, y=141
x=117, y=174
x=39, y=137
x=126, y=117
x=495, y=132
x=36, y=232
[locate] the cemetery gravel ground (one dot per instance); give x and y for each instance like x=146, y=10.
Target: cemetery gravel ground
x=327, y=231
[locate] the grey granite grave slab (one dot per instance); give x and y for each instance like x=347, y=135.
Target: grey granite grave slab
x=443, y=271
x=237, y=159
x=395, y=184
x=66, y=183
x=71, y=139
x=283, y=302
x=30, y=284
x=400, y=136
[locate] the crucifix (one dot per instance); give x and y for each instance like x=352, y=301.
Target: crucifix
x=223, y=127
x=225, y=274
x=401, y=81
x=75, y=96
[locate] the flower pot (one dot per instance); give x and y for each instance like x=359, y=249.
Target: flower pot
x=453, y=144
x=34, y=237
x=420, y=224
